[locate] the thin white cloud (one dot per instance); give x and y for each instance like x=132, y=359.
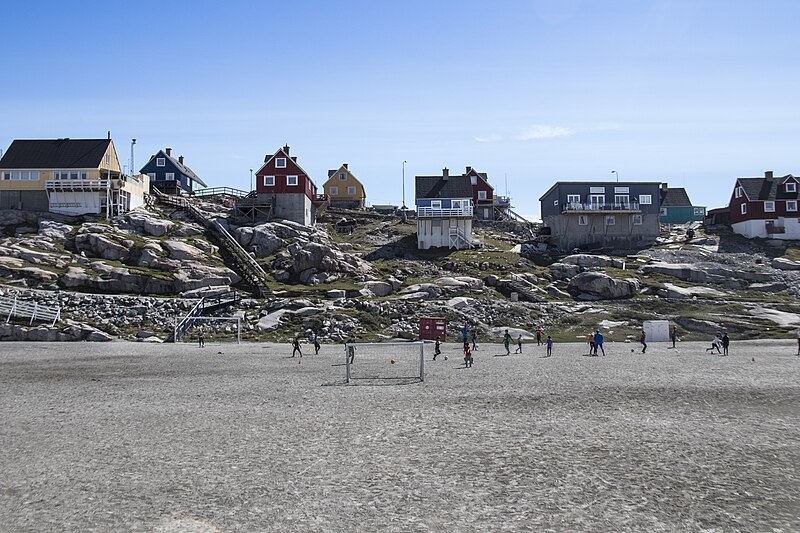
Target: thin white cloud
x=491, y=138
x=540, y=131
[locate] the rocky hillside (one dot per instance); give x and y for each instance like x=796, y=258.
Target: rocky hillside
x=359, y=275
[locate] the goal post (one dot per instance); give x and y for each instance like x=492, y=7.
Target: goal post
x=379, y=361
x=214, y=328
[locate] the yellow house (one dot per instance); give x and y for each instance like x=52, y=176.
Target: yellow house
x=344, y=189
x=68, y=176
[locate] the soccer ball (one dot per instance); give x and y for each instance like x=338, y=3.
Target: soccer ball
x=391, y=361
x=445, y=358
x=631, y=350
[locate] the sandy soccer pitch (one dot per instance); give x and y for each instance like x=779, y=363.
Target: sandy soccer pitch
x=166, y=438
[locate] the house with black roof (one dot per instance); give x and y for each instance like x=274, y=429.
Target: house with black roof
x=766, y=207
x=444, y=211
x=67, y=176
x=170, y=175
x=676, y=208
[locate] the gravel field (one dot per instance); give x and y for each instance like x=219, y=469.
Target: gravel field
x=167, y=438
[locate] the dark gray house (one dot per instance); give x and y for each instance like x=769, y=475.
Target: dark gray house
x=171, y=175
x=593, y=215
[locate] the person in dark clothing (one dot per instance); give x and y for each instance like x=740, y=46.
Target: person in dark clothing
x=316, y=345
x=643, y=341
x=437, y=348
x=474, y=339
x=296, y=347
x=674, y=335
x=726, y=341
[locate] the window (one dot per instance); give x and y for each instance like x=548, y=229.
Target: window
x=738, y=192
x=171, y=176
x=597, y=201
x=597, y=190
x=573, y=198
x=769, y=207
x=621, y=200
x=269, y=181
x=455, y=204
x=743, y=209
x=662, y=212
x=646, y=199
x=481, y=195
x=160, y=161
x=637, y=220
x=280, y=162
x=699, y=211
x=291, y=181
x=611, y=220
x=6, y=175
x=791, y=205
x=342, y=176
x=351, y=190
x=791, y=186
x=487, y=212
x=108, y=159
x=583, y=220
x=436, y=204
x=21, y=175
x=151, y=175
x=334, y=190
x=622, y=190
x=555, y=202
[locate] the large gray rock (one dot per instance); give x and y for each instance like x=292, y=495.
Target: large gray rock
x=379, y=288
x=564, y=270
x=592, y=261
x=54, y=230
x=261, y=240
x=782, y=263
x=674, y=291
x=183, y=252
x=148, y=223
x=600, y=286
x=99, y=245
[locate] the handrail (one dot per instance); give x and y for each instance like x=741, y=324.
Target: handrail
x=578, y=206
x=427, y=212
x=220, y=191
x=25, y=309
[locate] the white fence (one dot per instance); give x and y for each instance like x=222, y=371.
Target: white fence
x=14, y=307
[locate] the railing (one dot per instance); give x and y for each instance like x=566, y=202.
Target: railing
x=32, y=310
x=207, y=303
x=220, y=191
x=92, y=185
x=437, y=212
x=321, y=198
x=502, y=200
x=577, y=206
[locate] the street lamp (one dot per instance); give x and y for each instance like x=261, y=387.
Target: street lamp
x=617, y=173
x=252, y=185
x=404, y=184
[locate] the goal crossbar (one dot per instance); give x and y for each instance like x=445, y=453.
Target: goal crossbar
x=384, y=360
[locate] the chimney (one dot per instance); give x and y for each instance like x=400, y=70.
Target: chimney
x=768, y=174
x=294, y=158
x=169, y=152
x=180, y=160
x=664, y=187
x=344, y=165
x=469, y=169
x=286, y=148
x=445, y=174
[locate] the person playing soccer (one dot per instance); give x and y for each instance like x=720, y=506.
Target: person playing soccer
x=507, y=342
x=201, y=339
x=590, y=339
x=519, y=345
x=549, y=346
x=437, y=348
x=716, y=343
x=464, y=334
x=351, y=353
x=726, y=341
x=296, y=346
x=674, y=335
x=538, y=332
x=643, y=341
x=474, y=339
x=467, y=356
x=316, y=344
x=598, y=343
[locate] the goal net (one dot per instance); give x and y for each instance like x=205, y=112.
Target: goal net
x=390, y=361
x=212, y=328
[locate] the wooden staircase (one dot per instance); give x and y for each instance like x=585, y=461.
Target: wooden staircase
x=236, y=256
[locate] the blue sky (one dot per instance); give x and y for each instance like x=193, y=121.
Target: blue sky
x=692, y=93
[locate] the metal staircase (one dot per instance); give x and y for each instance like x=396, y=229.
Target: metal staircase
x=28, y=310
x=458, y=240
x=244, y=263
x=206, y=304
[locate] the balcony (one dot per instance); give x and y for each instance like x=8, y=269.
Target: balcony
x=579, y=208
x=76, y=185
x=438, y=212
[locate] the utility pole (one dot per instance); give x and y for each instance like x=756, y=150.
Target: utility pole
x=404, y=184
x=133, y=142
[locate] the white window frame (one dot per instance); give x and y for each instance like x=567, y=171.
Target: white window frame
x=161, y=161
x=555, y=202
x=573, y=199
x=21, y=175
x=738, y=192
x=622, y=190
x=622, y=200
x=269, y=181
x=597, y=200
x=583, y=220
x=743, y=209
x=436, y=204
x=334, y=190
x=342, y=176
x=769, y=207
x=791, y=186
x=481, y=195
x=610, y=220
x=662, y=212
x=351, y=190
x=699, y=211
x=170, y=176
x=487, y=213
x=151, y=175
x=280, y=162
x=291, y=181
x=791, y=205
x=637, y=220
x=645, y=199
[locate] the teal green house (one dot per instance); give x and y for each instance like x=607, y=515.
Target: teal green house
x=676, y=208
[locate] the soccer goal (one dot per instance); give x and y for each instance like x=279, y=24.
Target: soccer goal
x=213, y=329
x=389, y=361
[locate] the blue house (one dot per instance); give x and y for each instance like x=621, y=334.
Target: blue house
x=444, y=211
x=171, y=176
x=676, y=208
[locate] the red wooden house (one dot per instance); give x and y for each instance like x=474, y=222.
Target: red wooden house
x=482, y=194
x=766, y=207
x=288, y=189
